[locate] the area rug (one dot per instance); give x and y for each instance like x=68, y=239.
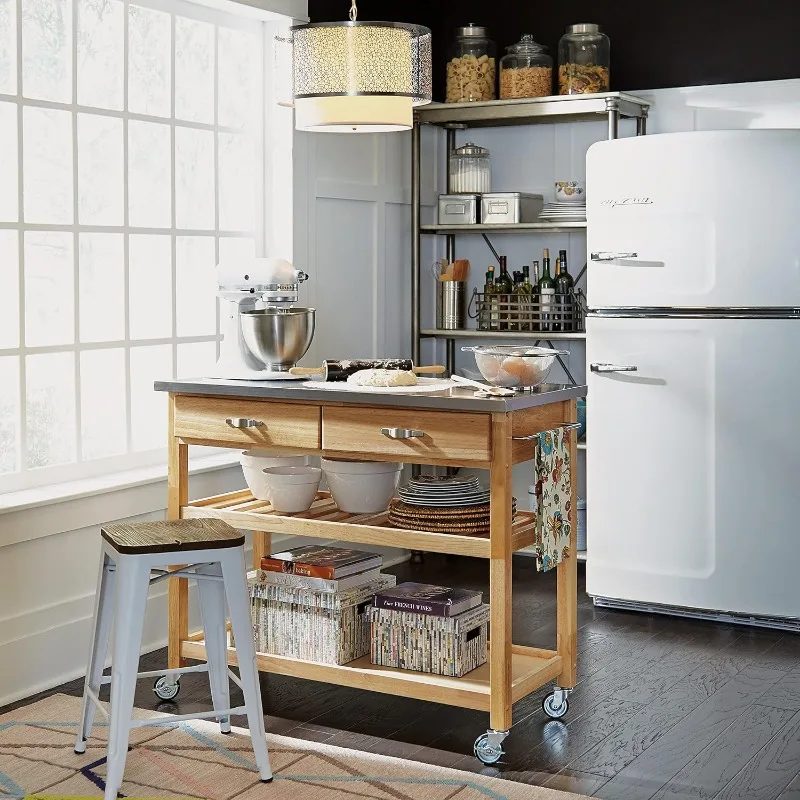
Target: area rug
x=193, y=760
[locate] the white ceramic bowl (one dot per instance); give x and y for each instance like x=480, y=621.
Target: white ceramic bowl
x=255, y=461
x=361, y=487
x=571, y=192
x=292, y=489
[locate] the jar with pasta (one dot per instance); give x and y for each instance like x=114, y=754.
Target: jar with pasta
x=584, y=60
x=472, y=66
x=526, y=70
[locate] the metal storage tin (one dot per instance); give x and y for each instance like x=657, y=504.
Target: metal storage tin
x=458, y=209
x=504, y=207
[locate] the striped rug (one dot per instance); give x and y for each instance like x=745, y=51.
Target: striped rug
x=193, y=760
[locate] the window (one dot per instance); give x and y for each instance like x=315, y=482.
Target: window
x=131, y=163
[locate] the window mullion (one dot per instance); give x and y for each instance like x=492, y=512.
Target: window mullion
x=23, y=382
x=173, y=194
x=76, y=302
x=216, y=170
x=126, y=231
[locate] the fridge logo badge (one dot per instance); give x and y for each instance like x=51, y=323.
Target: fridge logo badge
x=627, y=201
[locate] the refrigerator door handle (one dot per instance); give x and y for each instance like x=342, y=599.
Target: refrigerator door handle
x=613, y=368
x=612, y=256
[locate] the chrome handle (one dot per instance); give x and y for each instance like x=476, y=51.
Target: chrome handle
x=612, y=256
x=613, y=368
x=567, y=426
x=402, y=433
x=242, y=422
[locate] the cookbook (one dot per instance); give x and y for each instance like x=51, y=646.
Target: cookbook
x=424, y=598
x=314, y=561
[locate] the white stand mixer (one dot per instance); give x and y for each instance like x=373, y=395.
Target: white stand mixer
x=259, y=286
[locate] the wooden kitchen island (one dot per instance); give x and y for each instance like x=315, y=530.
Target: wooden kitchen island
x=450, y=428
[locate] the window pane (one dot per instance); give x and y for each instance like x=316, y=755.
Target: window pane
x=194, y=178
x=101, y=262
x=150, y=287
x=47, y=165
x=194, y=70
x=9, y=414
x=148, y=61
x=9, y=294
x=50, y=411
x=196, y=360
x=103, y=420
x=196, y=292
x=148, y=407
x=233, y=249
x=8, y=160
x=8, y=46
x=49, y=289
x=100, y=53
x=237, y=69
x=100, y=188
x=236, y=185
x=149, y=194
x=47, y=49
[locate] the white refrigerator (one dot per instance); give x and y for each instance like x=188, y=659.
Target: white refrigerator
x=693, y=352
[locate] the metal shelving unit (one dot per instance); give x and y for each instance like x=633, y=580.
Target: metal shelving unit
x=518, y=227
x=474, y=333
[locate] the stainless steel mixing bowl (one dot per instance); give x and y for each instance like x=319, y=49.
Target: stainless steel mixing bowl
x=279, y=337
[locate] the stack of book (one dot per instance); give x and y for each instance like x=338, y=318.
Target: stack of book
x=313, y=603
x=429, y=628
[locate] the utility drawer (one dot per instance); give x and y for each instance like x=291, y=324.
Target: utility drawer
x=407, y=435
x=247, y=423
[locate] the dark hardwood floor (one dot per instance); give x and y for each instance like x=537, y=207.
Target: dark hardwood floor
x=664, y=707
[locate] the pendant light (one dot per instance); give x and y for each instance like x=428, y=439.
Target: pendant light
x=359, y=77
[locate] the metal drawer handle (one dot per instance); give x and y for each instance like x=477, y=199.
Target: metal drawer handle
x=567, y=426
x=243, y=422
x=613, y=368
x=402, y=433
x=612, y=256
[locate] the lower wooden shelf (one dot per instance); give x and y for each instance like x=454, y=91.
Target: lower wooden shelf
x=531, y=668
x=241, y=510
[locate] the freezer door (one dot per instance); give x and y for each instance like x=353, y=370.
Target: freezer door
x=693, y=463
x=700, y=213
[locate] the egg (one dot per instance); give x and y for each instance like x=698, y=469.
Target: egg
x=532, y=373
x=514, y=365
x=506, y=379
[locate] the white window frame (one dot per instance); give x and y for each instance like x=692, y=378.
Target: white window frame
x=244, y=16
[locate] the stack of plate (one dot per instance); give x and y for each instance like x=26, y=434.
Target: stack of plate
x=563, y=212
x=443, y=505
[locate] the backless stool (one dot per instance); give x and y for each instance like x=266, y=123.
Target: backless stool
x=135, y=556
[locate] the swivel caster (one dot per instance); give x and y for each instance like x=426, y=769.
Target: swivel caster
x=488, y=747
x=556, y=705
x=166, y=689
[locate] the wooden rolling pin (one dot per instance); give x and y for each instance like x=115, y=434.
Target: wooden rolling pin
x=342, y=370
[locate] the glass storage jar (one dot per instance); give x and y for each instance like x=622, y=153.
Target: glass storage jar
x=470, y=170
x=584, y=60
x=471, y=68
x=526, y=70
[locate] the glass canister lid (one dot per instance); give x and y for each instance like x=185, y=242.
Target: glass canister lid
x=527, y=45
x=583, y=27
x=470, y=149
x=471, y=30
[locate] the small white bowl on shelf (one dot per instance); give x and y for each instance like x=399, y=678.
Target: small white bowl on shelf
x=571, y=192
x=292, y=489
x=361, y=487
x=254, y=462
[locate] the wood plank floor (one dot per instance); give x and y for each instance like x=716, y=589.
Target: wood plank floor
x=665, y=708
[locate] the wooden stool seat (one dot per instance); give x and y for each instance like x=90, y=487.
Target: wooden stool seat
x=166, y=536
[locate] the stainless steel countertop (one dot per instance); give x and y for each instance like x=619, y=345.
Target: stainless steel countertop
x=458, y=399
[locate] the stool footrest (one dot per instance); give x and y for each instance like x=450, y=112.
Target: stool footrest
x=158, y=673
x=226, y=712
x=96, y=700
x=235, y=678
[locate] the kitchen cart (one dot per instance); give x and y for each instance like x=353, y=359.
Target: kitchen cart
x=451, y=428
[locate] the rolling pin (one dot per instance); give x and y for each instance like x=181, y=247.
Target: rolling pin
x=342, y=370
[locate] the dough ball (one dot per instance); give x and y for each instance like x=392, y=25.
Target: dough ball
x=383, y=377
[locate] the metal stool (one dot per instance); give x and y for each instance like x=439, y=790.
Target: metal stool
x=134, y=557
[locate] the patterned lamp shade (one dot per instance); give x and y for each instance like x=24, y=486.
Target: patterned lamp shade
x=359, y=76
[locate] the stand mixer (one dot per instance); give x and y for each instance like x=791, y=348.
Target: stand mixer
x=264, y=335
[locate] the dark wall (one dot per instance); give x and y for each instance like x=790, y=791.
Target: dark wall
x=653, y=45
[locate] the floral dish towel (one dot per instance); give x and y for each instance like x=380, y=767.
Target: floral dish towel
x=553, y=499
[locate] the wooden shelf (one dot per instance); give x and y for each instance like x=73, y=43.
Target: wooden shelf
x=473, y=333
x=530, y=669
x=241, y=510
x=510, y=227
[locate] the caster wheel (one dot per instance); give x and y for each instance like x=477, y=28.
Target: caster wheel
x=553, y=711
x=484, y=752
x=165, y=690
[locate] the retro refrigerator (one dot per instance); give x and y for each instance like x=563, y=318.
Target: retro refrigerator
x=693, y=352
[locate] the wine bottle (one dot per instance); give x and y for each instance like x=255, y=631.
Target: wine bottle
x=555, y=324
x=504, y=287
x=491, y=299
x=547, y=290
x=535, y=298
x=484, y=316
x=524, y=292
x=564, y=287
